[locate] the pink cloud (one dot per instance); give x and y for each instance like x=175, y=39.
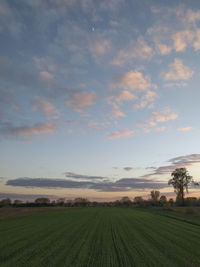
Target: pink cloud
x=121, y=133
x=139, y=49
x=196, y=43
x=100, y=47
x=47, y=108
x=156, y=118
x=46, y=76
x=81, y=100
x=147, y=100
x=26, y=131
x=182, y=39
x=125, y=95
x=163, y=116
x=160, y=129
x=178, y=71
x=162, y=49
x=116, y=111
x=185, y=129
x=133, y=80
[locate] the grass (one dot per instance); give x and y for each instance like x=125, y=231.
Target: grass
x=23, y=211
x=100, y=237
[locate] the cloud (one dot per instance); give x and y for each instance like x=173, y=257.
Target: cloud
x=162, y=49
x=115, y=168
x=139, y=49
x=128, y=168
x=47, y=108
x=185, y=129
x=119, y=134
x=117, y=99
x=175, y=29
x=27, y=131
x=24, y=196
x=125, y=95
x=160, y=129
x=190, y=35
x=160, y=171
x=92, y=124
x=156, y=118
x=188, y=159
x=10, y=19
x=116, y=111
x=132, y=80
x=121, y=185
x=182, y=39
x=2, y=179
x=147, y=100
x=47, y=65
x=22, y=75
x=146, y=125
x=160, y=34
x=100, y=47
x=196, y=43
x=178, y=71
x=83, y=177
x=192, y=16
x=47, y=77
x=178, y=162
x=81, y=100
x=175, y=84
x=8, y=100
x=163, y=116
x=47, y=183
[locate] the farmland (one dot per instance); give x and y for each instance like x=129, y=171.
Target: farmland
x=100, y=237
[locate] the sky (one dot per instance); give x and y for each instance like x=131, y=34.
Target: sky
x=98, y=99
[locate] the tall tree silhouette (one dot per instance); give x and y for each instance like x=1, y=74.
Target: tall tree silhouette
x=180, y=181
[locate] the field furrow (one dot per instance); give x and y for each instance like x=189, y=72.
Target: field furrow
x=99, y=237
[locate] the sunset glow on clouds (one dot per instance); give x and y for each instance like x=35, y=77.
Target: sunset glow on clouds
x=88, y=85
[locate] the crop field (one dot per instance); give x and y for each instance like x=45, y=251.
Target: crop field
x=99, y=237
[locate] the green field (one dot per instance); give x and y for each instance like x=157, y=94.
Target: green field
x=99, y=237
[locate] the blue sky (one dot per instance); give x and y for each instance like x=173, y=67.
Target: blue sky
x=98, y=99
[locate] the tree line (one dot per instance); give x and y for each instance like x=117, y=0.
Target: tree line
x=180, y=181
